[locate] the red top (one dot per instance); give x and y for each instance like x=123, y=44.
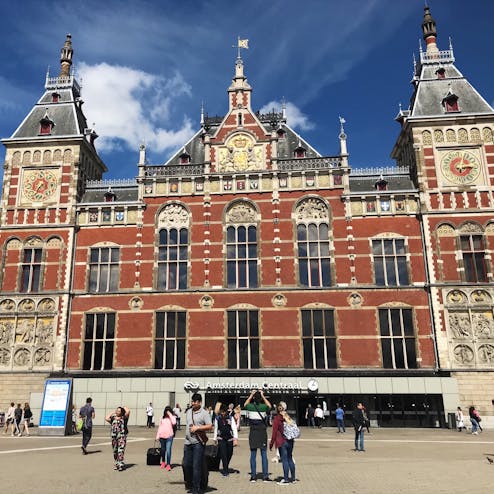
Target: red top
x=277, y=437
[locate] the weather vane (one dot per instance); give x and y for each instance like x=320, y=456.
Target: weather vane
x=241, y=43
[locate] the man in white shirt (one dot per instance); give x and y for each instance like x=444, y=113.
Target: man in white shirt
x=177, y=411
x=319, y=416
x=150, y=415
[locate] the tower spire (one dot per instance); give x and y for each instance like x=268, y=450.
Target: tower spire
x=66, y=57
x=429, y=31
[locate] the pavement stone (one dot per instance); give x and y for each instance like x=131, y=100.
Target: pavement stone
x=396, y=461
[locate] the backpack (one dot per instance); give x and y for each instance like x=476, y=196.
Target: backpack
x=224, y=428
x=291, y=431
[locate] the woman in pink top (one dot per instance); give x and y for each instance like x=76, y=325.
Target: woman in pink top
x=165, y=434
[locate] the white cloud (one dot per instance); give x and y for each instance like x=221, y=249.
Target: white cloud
x=130, y=106
x=294, y=116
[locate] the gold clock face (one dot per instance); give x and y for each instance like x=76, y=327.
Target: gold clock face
x=460, y=167
x=39, y=185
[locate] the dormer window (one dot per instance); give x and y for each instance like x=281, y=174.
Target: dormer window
x=184, y=158
x=450, y=103
x=281, y=134
x=299, y=151
x=110, y=195
x=381, y=184
x=55, y=97
x=441, y=73
x=46, y=125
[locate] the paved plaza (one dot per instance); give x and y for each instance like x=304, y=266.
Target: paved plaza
x=396, y=461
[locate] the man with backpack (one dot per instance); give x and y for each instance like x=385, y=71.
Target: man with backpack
x=226, y=435
x=86, y=413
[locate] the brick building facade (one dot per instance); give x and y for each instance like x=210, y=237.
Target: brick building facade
x=248, y=259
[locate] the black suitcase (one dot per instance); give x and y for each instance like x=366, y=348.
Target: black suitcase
x=153, y=455
x=204, y=476
x=212, y=457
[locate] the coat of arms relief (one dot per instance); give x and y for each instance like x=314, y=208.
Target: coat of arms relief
x=240, y=154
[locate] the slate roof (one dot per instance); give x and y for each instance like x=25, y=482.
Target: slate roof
x=430, y=91
x=66, y=113
x=124, y=193
x=366, y=183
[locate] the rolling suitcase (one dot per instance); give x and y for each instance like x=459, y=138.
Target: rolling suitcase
x=204, y=476
x=153, y=455
x=212, y=457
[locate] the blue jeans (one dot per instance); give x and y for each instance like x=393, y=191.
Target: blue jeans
x=475, y=425
x=359, y=435
x=341, y=424
x=264, y=460
x=166, y=449
x=192, y=464
x=286, y=452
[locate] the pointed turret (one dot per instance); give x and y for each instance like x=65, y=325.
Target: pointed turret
x=66, y=57
x=239, y=90
x=429, y=31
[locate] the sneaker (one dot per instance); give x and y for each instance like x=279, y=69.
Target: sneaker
x=168, y=468
x=266, y=479
x=475, y=433
x=283, y=482
x=162, y=465
x=84, y=452
x=252, y=479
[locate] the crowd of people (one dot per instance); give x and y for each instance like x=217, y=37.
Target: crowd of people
x=18, y=419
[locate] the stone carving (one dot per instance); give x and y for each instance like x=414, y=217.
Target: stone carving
x=174, y=216
x=446, y=231
x=450, y=135
x=463, y=354
x=42, y=356
x=135, y=303
x=241, y=212
x=475, y=134
x=471, y=228
x=67, y=156
x=44, y=332
x=6, y=331
x=486, y=354
x=480, y=297
x=459, y=324
x=438, y=135
x=57, y=155
x=426, y=138
x=7, y=305
x=456, y=297
x=312, y=209
x=24, y=332
x=206, y=302
x=483, y=326
x=37, y=156
x=16, y=158
x=355, y=299
x=27, y=305
x=487, y=134
x=462, y=135
x=240, y=154
x=279, y=300
x=47, y=157
x=4, y=356
x=46, y=305
x=22, y=357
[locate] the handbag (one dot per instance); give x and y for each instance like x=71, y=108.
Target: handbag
x=291, y=431
x=201, y=436
x=79, y=425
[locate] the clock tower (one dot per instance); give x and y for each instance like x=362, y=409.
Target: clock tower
x=48, y=160
x=446, y=141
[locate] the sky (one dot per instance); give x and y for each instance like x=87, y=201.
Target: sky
x=146, y=67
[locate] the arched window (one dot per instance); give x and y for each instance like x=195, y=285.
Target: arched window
x=173, y=247
x=32, y=254
x=390, y=262
x=472, y=246
x=241, y=246
x=312, y=217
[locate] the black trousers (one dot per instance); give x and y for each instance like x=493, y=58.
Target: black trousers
x=225, y=450
x=87, y=432
x=150, y=421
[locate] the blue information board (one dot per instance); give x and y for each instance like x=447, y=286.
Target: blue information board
x=56, y=400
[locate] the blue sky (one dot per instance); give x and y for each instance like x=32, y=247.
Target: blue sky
x=147, y=66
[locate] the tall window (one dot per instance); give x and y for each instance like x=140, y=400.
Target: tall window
x=99, y=341
x=312, y=217
x=243, y=339
x=241, y=246
x=390, y=262
x=397, y=339
x=104, y=269
x=473, y=250
x=31, y=269
x=173, y=258
x=169, y=343
x=319, y=339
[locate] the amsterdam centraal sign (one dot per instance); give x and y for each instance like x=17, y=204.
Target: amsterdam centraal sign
x=246, y=386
